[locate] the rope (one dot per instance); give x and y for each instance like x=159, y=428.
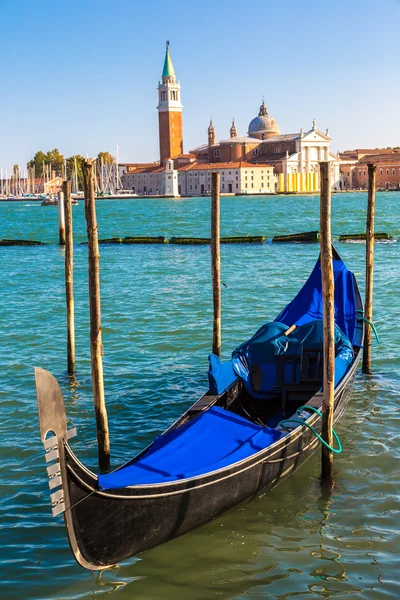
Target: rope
x=302, y=422
x=362, y=318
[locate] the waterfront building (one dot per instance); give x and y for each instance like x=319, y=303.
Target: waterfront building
x=354, y=169
x=295, y=156
x=53, y=186
x=169, y=112
x=260, y=162
x=194, y=179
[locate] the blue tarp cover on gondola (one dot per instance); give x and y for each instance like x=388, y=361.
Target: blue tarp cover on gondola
x=215, y=439
x=307, y=305
x=259, y=354
x=270, y=342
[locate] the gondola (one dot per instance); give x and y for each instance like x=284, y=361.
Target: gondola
x=258, y=422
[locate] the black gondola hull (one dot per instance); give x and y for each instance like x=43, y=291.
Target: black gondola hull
x=114, y=525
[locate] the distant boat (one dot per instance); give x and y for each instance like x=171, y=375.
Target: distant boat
x=246, y=433
x=53, y=201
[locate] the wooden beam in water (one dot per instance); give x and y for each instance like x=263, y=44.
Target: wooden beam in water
x=69, y=277
x=216, y=261
x=145, y=239
x=307, y=237
x=96, y=346
x=369, y=268
x=21, y=243
x=329, y=320
x=61, y=218
x=363, y=236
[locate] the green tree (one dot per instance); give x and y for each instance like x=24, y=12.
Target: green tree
x=71, y=161
x=38, y=161
x=52, y=157
x=107, y=158
x=56, y=160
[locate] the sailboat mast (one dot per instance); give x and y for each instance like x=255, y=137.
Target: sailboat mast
x=76, y=176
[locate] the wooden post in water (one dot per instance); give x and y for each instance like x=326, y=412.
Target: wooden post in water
x=329, y=319
x=96, y=346
x=216, y=262
x=69, y=276
x=369, y=270
x=61, y=219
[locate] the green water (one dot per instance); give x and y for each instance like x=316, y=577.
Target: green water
x=156, y=311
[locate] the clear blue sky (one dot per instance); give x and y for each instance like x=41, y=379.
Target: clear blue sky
x=81, y=75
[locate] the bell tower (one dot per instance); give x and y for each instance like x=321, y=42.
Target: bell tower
x=233, y=131
x=211, y=134
x=169, y=112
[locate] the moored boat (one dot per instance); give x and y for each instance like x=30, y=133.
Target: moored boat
x=258, y=422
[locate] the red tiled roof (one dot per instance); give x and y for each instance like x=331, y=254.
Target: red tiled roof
x=381, y=159
x=143, y=168
x=222, y=165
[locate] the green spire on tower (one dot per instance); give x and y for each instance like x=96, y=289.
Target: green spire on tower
x=168, y=70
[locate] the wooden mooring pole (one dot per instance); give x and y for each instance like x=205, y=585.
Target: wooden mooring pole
x=329, y=320
x=369, y=270
x=216, y=262
x=96, y=346
x=61, y=219
x=69, y=276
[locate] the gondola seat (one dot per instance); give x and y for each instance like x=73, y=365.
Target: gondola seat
x=210, y=441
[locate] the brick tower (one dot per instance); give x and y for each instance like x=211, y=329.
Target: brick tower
x=169, y=112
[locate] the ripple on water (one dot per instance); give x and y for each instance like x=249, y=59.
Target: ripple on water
x=156, y=310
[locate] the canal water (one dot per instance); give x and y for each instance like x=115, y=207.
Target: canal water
x=157, y=315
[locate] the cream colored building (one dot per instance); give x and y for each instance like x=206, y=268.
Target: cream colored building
x=194, y=179
x=294, y=156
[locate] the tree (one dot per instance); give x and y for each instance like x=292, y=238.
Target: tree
x=71, y=161
x=37, y=162
x=56, y=160
x=52, y=157
x=106, y=157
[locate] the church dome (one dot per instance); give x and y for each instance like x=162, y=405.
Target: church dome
x=263, y=125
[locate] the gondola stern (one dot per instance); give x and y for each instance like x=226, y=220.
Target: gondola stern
x=55, y=435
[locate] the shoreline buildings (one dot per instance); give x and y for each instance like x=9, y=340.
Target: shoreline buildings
x=354, y=169
x=264, y=161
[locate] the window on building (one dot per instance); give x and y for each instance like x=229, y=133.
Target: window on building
x=252, y=185
x=364, y=173
x=381, y=172
x=229, y=172
x=393, y=171
x=387, y=171
x=359, y=172
x=252, y=177
x=216, y=153
x=245, y=178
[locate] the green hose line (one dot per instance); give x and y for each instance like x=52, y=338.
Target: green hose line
x=362, y=318
x=335, y=435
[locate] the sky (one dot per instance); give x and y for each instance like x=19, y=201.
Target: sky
x=82, y=75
